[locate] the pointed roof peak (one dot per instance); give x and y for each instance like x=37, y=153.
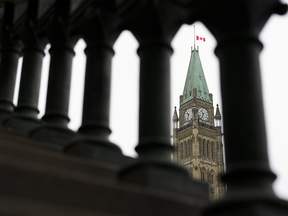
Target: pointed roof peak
x=175, y=116
x=218, y=112
x=195, y=79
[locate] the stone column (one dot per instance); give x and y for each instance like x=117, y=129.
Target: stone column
x=93, y=140
x=55, y=120
x=10, y=53
x=8, y=71
x=149, y=23
x=25, y=116
x=154, y=146
x=60, y=31
x=100, y=31
x=251, y=160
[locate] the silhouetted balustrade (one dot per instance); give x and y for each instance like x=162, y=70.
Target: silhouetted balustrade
x=236, y=26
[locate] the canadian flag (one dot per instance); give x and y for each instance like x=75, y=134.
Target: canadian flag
x=200, y=38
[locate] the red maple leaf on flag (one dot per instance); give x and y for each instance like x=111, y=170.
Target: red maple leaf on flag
x=200, y=38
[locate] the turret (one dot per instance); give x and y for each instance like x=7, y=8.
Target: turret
x=217, y=117
x=175, y=119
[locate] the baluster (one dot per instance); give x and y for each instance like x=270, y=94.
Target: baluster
x=55, y=120
x=248, y=175
x=10, y=53
x=25, y=115
x=154, y=163
x=100, y=36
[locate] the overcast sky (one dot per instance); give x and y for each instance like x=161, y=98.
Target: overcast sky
x=125, y=78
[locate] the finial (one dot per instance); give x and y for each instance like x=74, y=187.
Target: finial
x=175, y=107
x=217, y=105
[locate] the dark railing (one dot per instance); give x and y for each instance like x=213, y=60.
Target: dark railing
x=28, y=25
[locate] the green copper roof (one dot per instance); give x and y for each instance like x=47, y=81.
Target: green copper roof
x=195, y=79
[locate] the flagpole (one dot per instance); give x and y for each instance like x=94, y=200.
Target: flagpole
x=194, y=39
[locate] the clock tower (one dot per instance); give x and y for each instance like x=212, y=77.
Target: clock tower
x=197, y=133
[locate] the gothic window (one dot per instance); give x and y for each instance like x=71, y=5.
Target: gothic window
x=208, y=148
x=190, y=148
x=204, y=148
x=185, y=150
x=212, y=150
x=212, y=176
x=200, y=147
x=190, y=93
x=202, y=176
x=199, y=93
x=185, y=95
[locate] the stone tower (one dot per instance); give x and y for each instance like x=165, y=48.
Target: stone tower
x=197, y=134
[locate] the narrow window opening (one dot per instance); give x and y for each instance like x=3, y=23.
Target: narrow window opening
x=203, y=148
x=212, y=147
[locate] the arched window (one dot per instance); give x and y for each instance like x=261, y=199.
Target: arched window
x=191, y=144
x=208, y=148
x=212, y=150
x=200, y=147
x=203, y=176
x=189, y=149
x=204, y=148
x=185, y=150
x=212, y=177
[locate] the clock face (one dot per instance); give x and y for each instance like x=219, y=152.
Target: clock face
x=203, y=114
x=188, y=115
